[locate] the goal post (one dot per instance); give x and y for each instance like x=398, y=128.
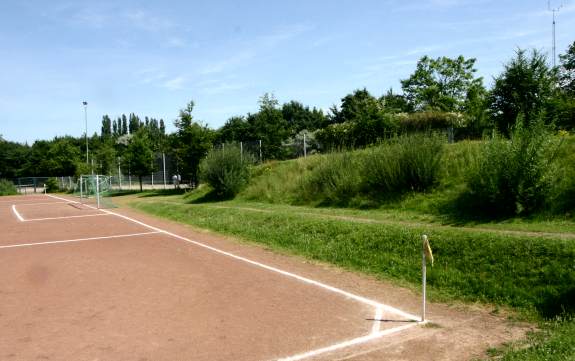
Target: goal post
x=95, y=189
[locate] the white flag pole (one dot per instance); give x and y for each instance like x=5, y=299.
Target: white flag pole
x=423, y=275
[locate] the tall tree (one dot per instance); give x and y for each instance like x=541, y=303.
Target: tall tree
x=395, y=103
x=441, y=84
x=133, y=123
x=567, y=70
x=300, y=117
x=524, y=88
x=269, y=126
x=140, y=155
x=115, y=128
x=191, y=143
x=106, y=126
x=124, y=125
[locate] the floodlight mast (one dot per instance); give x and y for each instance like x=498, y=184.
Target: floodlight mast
x=554, y=10
x=86, y=122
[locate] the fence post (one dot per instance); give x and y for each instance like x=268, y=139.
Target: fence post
x=119, y=174
x=304, y=146
x=34, y=184
x=164, y=169
x=97, y=191
x=241, y=152
x=260, y=151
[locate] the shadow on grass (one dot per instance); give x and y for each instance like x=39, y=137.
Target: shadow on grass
x=557, y=303
x=163, y=192
x=147, y=193
x=209, y=197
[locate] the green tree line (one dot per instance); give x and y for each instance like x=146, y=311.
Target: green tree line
x=442, y=94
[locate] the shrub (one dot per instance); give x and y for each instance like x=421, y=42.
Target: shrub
x=226, y=170
x=427, y=120
x=335, y=179
x=7, y=188
x=509, y=176
x=406, y=163
x=52, y=185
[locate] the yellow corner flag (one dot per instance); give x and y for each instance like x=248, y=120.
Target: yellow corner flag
x=427, y=249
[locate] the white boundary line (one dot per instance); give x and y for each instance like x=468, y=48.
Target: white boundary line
x=76, y=240
x=17, y=214
x=38, y=204
x=377, y=320
x=65, y=217
x=379, y=307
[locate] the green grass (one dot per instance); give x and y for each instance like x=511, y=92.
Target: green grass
x=554, y=342
x=525, y=263
x=519, y=271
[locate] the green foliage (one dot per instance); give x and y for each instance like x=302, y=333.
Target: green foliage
x=335, y=179
x=429, y=120
x=7, y=188
x=562, y=193
x=226, y=170
x=509, y=177
x=404, y=164
x=441, y=84
x=191, y=143
x=300, y=117
x=52, y=185
x=567, y=70
x=139, y=155
x=13, y=159
x=523, y=89
x=269, y=126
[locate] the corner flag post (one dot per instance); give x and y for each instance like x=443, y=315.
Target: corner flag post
x=425, y=254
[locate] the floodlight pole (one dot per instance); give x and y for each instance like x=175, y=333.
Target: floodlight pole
x=85, y=103
x=554, y=10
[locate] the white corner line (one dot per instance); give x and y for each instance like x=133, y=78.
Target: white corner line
x=379, y=307
x=77, y=240
x=349, y=295
x=65, y=217
x=40, y=203
x=377, y=320
x=17, y=214
x=348, y=343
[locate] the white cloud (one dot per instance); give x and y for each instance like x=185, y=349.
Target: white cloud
x=176, y=83
x=232, y=61
x=143, y=20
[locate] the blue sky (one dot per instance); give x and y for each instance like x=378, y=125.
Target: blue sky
x=152, y=57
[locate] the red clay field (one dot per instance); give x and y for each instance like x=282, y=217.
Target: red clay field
x=78, y=283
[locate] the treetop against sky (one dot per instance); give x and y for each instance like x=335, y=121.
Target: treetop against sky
x=153, y=57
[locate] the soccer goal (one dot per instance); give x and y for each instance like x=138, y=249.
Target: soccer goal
x=94, y=188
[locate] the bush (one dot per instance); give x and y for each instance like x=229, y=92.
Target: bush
x=509, y=176
x=226, y=170
x=562, y=193
x=7, y=188
x=406, y=163
x=335, y=179
x=428, y=120
x=52, y=185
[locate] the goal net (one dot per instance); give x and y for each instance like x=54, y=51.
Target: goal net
x=94, y=189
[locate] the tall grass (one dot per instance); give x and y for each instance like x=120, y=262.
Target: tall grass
x=406, y=163
x=336, y=179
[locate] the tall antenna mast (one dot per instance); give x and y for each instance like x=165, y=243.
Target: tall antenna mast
x=554, y=10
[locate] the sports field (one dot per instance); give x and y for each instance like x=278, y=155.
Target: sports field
x=79, y=283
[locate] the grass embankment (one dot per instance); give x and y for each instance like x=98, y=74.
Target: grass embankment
x=524, y=263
